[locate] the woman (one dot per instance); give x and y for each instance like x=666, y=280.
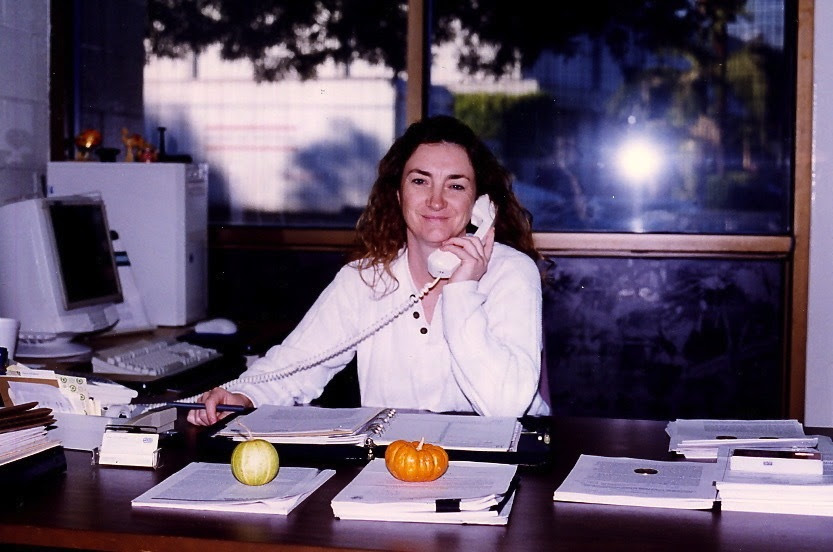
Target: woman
x=469, y=343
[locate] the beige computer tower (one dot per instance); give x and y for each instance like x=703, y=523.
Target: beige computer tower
x=160, y=212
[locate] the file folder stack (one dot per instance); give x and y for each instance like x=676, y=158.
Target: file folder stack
x=26, y=450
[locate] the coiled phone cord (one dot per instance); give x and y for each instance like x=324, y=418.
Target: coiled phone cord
x=306, y=364
x=311, y=362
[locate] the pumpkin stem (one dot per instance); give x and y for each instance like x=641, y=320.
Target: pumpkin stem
x=248, y=431
x=421, y=442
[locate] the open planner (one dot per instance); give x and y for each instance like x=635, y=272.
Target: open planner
x=364, y=426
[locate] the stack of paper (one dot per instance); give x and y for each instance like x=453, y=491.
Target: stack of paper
x=212, y=487
x=468, y=493
x=708, y=439
x=635, y=482
x=23, y=431
x=776, y=492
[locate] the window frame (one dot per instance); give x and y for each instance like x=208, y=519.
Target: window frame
x=792, y=249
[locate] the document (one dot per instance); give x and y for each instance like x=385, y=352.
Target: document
x=376, y=426
x=636, y=482
x=708, y=439
x=212, y=487
x=468, y=493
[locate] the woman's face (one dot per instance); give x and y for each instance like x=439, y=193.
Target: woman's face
x=437, y=193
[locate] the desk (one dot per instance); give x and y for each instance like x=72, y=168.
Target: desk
x=89, y=508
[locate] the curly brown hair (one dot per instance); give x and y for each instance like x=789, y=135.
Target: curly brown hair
x=381, y=231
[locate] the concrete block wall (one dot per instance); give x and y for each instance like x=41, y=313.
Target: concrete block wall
x=24, y=96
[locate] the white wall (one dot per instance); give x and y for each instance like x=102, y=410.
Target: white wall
x=819, y=388
x=24, y=96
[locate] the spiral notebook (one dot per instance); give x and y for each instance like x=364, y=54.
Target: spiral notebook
x=364, y=426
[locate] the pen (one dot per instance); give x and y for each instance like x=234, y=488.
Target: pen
x=199, y=406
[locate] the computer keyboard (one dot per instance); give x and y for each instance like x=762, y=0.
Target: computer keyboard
x=155, y=358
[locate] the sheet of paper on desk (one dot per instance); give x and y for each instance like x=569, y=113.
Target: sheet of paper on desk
x=212, y=487
x=468, y=493
x=637, y=482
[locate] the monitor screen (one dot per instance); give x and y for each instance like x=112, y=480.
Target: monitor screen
x=85, y=257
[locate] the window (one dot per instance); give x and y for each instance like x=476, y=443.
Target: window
x=724, y=96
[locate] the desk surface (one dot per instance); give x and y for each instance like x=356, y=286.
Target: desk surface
x=89, y=508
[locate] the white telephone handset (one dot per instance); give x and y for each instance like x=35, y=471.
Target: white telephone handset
x=441, y=264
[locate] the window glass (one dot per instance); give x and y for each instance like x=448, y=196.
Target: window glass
x=664, y=338
x=630, y=116
x=630, y=338
x=624, y=115
x=291, y=104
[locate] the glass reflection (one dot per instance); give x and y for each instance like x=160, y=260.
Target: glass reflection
x=632, y=116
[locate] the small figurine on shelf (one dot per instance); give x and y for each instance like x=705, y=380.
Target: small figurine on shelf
x=86, y=141
x=137, y=148
x=147, y=154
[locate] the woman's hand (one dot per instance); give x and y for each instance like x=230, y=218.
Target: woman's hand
x=474, y=255
x=209, y=415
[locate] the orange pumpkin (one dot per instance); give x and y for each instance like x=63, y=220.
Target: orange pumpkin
x=416, y=460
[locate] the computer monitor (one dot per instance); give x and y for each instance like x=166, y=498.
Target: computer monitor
x=58, y=274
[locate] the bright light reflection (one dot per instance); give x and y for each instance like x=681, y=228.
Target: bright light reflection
x=639, y=160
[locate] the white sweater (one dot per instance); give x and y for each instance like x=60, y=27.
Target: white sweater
x=481, y=353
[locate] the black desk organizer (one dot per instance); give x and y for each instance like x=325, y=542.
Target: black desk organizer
x=38, y=468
